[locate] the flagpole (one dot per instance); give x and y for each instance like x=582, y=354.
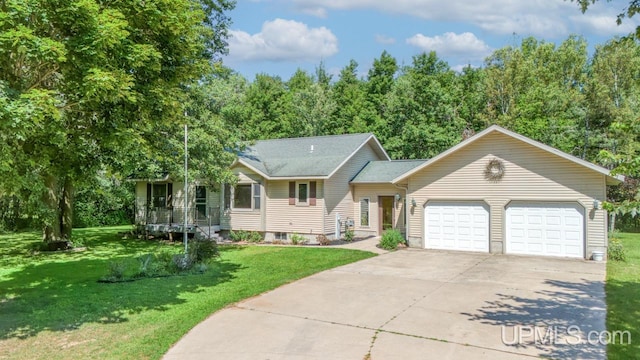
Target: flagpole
x=186, y=184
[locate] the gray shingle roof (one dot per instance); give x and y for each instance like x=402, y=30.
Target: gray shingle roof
x=302, y=157
x=385, y=171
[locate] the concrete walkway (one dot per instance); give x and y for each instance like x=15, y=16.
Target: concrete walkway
x=369, y=244
x=416, y=304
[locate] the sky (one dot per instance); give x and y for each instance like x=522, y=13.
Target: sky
x=277, y=37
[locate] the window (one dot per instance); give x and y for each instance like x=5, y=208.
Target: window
x=201, y=202
x=242, y=196
x=280, y=236
x=246, y=196
x=227, y=196
x=364, y=212
x=303, y=193
x=159, y=196
x=256, y=196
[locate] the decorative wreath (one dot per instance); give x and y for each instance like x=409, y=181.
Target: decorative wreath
x=494, y=171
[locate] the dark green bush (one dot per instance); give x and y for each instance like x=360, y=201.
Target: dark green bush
x=390, y=240
x=202, y=250
x=254, y=237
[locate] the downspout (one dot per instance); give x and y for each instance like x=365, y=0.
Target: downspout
x=406, y=211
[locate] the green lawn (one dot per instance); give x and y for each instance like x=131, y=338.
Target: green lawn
x=623, y=298
x=52, y=307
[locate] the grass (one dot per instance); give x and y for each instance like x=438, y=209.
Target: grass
x=52, y=307
x=623, y=298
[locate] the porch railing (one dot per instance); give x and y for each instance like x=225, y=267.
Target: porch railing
x=202, y=216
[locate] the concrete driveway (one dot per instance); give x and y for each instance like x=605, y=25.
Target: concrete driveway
x=417, y=304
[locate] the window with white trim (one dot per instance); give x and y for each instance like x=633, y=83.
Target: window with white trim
x=256, y=196
x=364, y=211
x=246, y=196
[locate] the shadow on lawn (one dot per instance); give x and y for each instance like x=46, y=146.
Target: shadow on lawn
x=569, y=304
x=62, y=293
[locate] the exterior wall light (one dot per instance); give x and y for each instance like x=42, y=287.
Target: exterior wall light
x=413, y=202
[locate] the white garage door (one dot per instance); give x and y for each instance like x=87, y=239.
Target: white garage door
x=457, y=226
x=545, y=229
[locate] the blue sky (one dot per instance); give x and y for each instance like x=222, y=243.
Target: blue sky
x=279, y=36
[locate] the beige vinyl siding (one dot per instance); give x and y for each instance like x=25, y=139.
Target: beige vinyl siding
x=282, y=217
x=373, y=191
x=530, y=174
x=337, y=191
x=240, y=219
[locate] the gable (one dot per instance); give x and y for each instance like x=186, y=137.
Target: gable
x=529, y=171
x=518, y=141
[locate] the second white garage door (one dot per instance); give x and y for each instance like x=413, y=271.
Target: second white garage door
x=550, y=229
x=453, y=225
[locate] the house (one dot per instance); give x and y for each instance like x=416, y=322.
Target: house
x=497, y=192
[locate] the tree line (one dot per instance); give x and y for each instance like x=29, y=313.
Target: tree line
x=92, y=93
x=587, y=105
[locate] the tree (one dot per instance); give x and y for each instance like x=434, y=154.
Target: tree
x=423, y=118
x=613, y=92
x=536, y=90
x=84, y=81
x=350, y=99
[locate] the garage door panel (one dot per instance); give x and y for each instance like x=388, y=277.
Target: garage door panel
x=551, y=229
x=457, y=226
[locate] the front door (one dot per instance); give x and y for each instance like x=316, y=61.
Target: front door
x=385, y=213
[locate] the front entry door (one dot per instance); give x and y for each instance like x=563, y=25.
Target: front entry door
x=385, y=213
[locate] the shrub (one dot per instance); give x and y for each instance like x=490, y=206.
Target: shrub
x=390, y=240
x=254, y=237
x=616, y=251
x=323, y=240
x=348, y=235
x=201, y=250
x=236, y=236
x=182, y=262
x=297, y=239
x=116, y=271
x=241, y=235
x=145, y=265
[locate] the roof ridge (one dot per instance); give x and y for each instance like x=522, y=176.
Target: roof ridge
x=311, y=137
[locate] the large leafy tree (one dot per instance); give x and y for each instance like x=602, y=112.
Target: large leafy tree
x=536, y=90
x=423, y=117
x=84, y=82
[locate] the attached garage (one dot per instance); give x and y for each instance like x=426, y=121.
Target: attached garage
x=457, y=225
x=502, y=192
x=549, y=229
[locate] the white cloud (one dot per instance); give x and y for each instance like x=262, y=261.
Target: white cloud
x=283, y=40
x=604, y=24
x=452, y=44
x=385, y=40
x=546, y=18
